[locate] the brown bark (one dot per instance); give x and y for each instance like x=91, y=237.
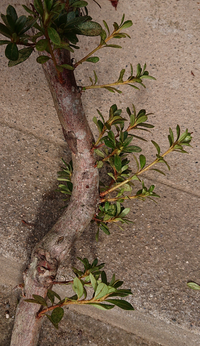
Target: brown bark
x=53, y=248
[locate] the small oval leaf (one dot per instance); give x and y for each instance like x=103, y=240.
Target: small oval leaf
x=42, y=59
x=57, y=315
x=12, y=52
x=54, y=36
x=94, y=59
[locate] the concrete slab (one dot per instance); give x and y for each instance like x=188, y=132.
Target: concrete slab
x=159, y=253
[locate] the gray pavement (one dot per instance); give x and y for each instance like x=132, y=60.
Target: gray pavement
x=159, y=253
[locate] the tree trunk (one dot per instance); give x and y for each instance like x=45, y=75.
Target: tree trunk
x=53, y=248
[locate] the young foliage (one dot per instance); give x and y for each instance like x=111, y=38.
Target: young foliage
x=112, y=147
x=93, y=280
x=131, y=80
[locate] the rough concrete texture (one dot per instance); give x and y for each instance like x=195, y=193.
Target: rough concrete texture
x=159, y=253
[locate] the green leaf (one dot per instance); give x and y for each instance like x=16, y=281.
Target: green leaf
x=108, y=143
x=42, y=59
x=27, y=9
x=117, y=163
x=99, y=164
x=120, y=79
x=54, y=324
x=5, y=31
x=32, y=301
x=4, y=42
x=101, y=291
x=147, y=77
x=12, y=52
x=183, y=136
x=142, y=161
x=164, y=161
x=126, y=24
x=89, y=28
x=57, y=315
x=104, y=277
x=54, y=36
x=171, y=134
x=132, y=149
x=93, y=282
x=124, y=212
x=128, y=140
x=135, y=177
x=48, y=4
x=156, y=146
x=9, y=22
x=103, y=36
x=157, y=170
x=93, y=59
x=79, y=4
x=40, y=300
x=78, y=287
x=10, y=11
x=67, y=67
x=141, y=119
x=29, y=24
x=113, y=46
x=118, y=283
x=104, y=229
x=102, y=306
x=99, y=153
x=178, y=132
x=51, y=295
x=194, y=286
x=106, y=26
x=20, y=24
x=95, y=81
x=95, y=262
x=41, y=44
x=123, y=304
x=64, y=45
x=139, y=70
x=170, y=140
x=38, y=6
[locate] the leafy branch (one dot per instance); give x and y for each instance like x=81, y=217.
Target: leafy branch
x=141, y=74
x=105, y=37
x=113, y=146
x=57, y=22
x=92, y=278
x=177, y=145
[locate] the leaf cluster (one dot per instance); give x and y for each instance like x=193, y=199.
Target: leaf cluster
x=58, y=23
x=65, y=175
x=109, y=213
x=112, y=147
x=131, y=80
x=103, y=293
x=105, y=34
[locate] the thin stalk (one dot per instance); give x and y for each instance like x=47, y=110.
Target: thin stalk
x=118, y=198
x=109, y=85
x=101, y=45
x=138, y=173
x=69, y=302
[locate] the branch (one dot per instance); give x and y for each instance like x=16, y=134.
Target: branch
x=54, y=247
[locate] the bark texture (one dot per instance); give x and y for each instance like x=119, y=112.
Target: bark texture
x=53, y=248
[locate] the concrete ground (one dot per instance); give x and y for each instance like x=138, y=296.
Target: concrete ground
x=159, y=253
